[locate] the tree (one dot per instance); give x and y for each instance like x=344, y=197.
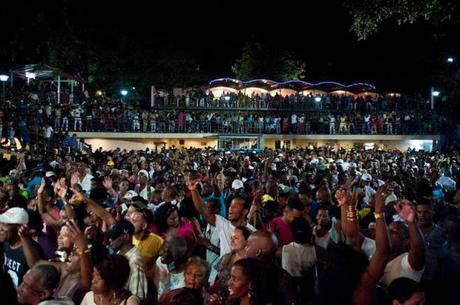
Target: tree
x=244, y=67
x=367, y=15
x=290, y=68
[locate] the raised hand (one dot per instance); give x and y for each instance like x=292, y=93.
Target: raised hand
x=191, y=184
x=406, y=211
x=60, y=188
x=107, y=182
x=42, y=186
x=77, y=197
x=24, y=231
x=77, y=235
x=380, y=196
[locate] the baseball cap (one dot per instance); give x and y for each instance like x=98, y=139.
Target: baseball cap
x=139, y=202
x=130, y=195
x=237, y=184
x=50, y=173
x=143, y=172
x=15, y=216
x=391, y=198
x=352, y=164
x=366, y=177
x=121, y=227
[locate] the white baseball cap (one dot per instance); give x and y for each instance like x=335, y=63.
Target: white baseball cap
x=130, y=194
x=15, y=216
x=143, y=172
x=366, y=177
x=391, y=198
x=237, y=184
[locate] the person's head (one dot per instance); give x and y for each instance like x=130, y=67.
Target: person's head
x=398, y=236
x=187, y=296
x=10, y=222
x=141, y=220
x=405, y=291
x=322, y=216
x=110, y=275
x=196, y=273
x=293, y=209
x=345, y=267
x=38, y=284
x=169, y=193
x=239, y=238
x=301, y=231
x=174, y=248
x=123, y=186
x=213, y=205
x=323, y=195
x=305, y=195
x=424, y=213
x=120, y=234
x=261, y=245
x=237, y=210
x=246, y=278
x=81, y=169
x=64, y=241
x=167, y=216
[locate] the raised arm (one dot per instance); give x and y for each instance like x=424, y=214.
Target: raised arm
x=377, y=264
x=349, y=220
x=30, y=253
x=85, y=256
x=199, y=204
x=416, y=257
x=94, y=207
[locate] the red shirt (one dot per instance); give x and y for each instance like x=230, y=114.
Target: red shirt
x=282, y=231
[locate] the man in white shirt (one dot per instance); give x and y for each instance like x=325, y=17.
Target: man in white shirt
x=405, y=264
x=236, y=217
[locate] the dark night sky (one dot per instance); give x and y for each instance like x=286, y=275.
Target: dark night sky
x=396, y=58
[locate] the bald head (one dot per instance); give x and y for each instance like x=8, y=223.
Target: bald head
x=262, y=245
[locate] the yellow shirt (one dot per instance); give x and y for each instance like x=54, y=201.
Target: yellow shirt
x=149, y=248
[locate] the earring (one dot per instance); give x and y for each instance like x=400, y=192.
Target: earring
x=250, y=292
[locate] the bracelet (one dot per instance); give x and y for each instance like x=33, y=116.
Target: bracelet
x=86, y=251
x=379, y=215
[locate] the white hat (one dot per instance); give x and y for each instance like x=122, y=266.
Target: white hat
x=130, y=194
x=366, y=177
x=15, y=216
x=391, y=198
x=237, y=184
x=352, y=164
x=50, y=173
x=144, y=172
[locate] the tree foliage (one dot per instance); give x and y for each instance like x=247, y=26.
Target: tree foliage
x=259, y=61
x=367, y=15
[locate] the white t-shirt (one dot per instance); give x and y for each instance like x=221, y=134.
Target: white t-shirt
x=368, y=247
x=225, y=229
x=400, y=267
x=322, y=241
x=297, y=258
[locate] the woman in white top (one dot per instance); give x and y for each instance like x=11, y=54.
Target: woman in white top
x=108, y=284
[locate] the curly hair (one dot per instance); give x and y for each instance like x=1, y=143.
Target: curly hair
x=114, y=270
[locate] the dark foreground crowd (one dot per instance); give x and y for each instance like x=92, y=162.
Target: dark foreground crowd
x=200, y=226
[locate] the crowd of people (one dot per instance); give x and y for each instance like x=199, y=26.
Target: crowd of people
x=35, y=117
x=321, y=225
